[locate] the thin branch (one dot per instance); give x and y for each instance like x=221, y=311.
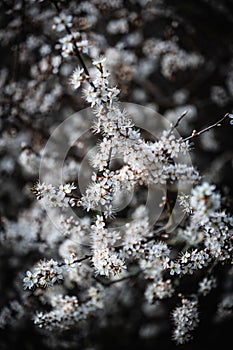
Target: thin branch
x=86, y=257
x=198, y=133
x=159, y=233
x=76, y=49
x=110, y=282
x=178, y=122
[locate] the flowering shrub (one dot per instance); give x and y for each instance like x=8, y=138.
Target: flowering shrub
x=82, y=254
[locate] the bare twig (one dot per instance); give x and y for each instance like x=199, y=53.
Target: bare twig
x=198, y=133
x=108, y=283
x=177, y=122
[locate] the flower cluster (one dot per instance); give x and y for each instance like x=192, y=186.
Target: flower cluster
x=67, y=311
x=206, y=285
x=75, y=253
x=144, y=162
x=72, y=42
x=189, y=262
x=204, y=204
x=44, y=274
x=105, y=260
x=54, y=197
x=185, y=319
x=113, y=250
x=172, y=57
x=159, y=290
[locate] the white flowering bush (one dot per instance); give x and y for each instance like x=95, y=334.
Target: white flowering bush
x=132, y=229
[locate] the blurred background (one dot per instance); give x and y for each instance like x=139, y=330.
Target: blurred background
x=169, y=55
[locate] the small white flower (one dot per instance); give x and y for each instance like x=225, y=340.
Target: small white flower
x=99, y=61
x=30, y=280
x=77, y=77
x=62, y=21
x=175, y=268
x=185, y=257
x=67, y=188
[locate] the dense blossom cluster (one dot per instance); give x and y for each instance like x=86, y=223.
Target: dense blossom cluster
x=83, y=264
x=45, y=274
x=186, y=319
x=67, y=311
x=143, y=163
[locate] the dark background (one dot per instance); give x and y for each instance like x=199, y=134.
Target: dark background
x=206, y=26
